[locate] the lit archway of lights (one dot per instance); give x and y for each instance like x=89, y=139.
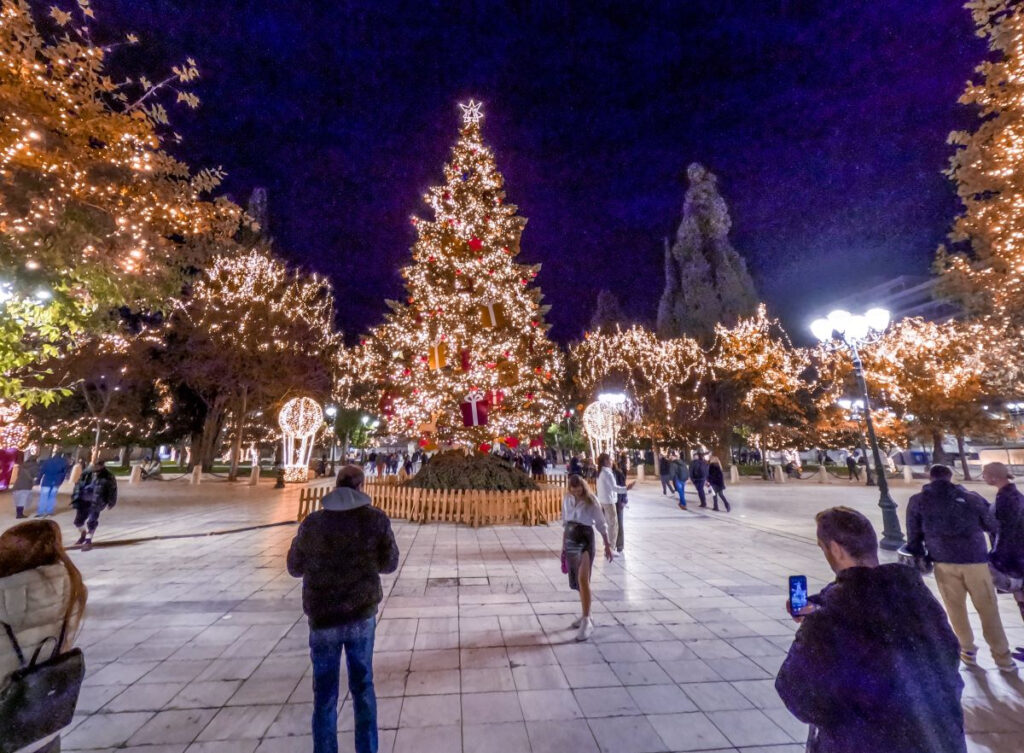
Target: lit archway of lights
x=602, y=422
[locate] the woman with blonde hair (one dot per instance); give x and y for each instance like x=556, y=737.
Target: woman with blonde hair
x=42, y=600
x=581, y=513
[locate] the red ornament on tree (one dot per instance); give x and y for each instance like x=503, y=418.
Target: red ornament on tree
x=511, y=442
x=475, y=244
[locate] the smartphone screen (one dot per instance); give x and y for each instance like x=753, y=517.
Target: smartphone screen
x=797, y=592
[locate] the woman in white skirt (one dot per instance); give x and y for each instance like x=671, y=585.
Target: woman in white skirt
x=581, y=514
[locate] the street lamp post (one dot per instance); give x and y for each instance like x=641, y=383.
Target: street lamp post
x=843, y=330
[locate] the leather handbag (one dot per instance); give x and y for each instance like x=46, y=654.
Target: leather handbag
x=39, y=698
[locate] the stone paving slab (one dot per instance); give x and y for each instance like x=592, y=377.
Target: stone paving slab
x=198, y=645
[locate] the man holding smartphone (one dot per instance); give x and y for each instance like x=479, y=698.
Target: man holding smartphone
x=874, y=665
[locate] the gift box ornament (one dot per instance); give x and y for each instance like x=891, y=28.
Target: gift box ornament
x=474, y=410
x=492, y=315
x=437, y=358
x=494, y=398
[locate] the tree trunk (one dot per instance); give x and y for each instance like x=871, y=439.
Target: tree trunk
x=236, y=446
x=963, y=456
x=208, y=439
x=938, y=454
x=126, y=456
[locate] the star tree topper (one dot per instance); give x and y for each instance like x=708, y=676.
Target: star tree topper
x=471, y=114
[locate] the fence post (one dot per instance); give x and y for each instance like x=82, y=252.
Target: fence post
x=822, y=475
x=908, y=474
x=734, y=474
x=254, y=475
x=136, y=477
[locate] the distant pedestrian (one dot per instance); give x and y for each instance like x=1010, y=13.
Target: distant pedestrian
x=851, y=466
x=575, y=467
x=339, y=552
x=28, y=470
x=95, y=491
x=873, y=667
x=52, y=473
x=537, y=466
x=699, y=475
x=947, y=523
x=716, y=478
x=679, y=472
x=608, y=491
x=621, y=500
x=665, y=474
x=1006, y=560
x=581, y=514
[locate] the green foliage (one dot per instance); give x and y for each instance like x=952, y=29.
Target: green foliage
x=455, y=470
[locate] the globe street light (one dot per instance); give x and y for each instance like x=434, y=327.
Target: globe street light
x=841, y=329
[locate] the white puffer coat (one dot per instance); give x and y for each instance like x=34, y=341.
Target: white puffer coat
x=33, y=604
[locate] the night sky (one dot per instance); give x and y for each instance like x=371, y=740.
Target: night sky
x=826, y=123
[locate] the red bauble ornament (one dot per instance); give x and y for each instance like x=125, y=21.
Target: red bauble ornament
x=485, y=447
x=511, y=442
x=475, y=244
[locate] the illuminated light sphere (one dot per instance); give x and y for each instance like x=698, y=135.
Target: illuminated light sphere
x=602, y=422
x=822, y=329
x=299, y=419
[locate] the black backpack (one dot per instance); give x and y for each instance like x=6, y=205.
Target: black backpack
x=85, y=489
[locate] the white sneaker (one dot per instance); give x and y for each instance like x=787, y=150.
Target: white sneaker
x=586, y=629
x=576, y=623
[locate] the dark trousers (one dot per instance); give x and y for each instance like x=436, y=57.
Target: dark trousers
x=719, y=493
x=325, y=647
x=699, y=483
x=88, y=512
x=619, y=506
x=667, y=487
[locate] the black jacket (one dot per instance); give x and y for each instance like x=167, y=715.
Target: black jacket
x=699, y=469
x=339, y=552
x=950, y=523
x=876, y=668
x=663, y=466
x=102, y=494
x=1007, y=555
x=715, y=476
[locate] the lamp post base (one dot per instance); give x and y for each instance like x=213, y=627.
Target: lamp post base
x=892, y=536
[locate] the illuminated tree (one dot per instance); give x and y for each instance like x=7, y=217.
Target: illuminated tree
x=988, y=169
x=94, y=214
x=251, y=334
x=938, y=377
x=661, y=377
x=756, y=383
x=470, y=337
x=706, y=280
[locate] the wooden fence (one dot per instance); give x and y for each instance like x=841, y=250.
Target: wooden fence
x=472, y=507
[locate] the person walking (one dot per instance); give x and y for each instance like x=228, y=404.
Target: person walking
x=621, y=500
x=42, y=601
x=1006, y=560
x=873, y=667
x=52, y=473
x=340, y=552
x=679, y=472
x=581, y=514
x=851, y=466
x=607, y=492
x=665, y=474
x=699, y=475
x=95, y=491
x=28, y=470
x=716, y=478
x=947, y=523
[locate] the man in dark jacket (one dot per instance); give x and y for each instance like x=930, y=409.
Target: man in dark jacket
x=874, y=664
x=95, y=491
x=947, y=523
x=339, y=552
x=679, y=473
x=1006, y=560
x=667, y=487
x=699, y=475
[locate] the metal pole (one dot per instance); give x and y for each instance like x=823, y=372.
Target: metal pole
x=892, y=533
x=868, y=478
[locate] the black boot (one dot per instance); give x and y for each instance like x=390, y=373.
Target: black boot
x=21, y=513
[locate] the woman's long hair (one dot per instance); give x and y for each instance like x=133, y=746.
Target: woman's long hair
x=38, y=543
x=576, y=480
x=602, y=460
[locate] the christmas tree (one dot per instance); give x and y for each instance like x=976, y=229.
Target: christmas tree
x=706, y=280
x=988, y=168
x=465, y=358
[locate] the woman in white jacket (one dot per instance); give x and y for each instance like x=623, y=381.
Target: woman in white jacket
x=581, y=514
x=608, y=492
x=41, y=590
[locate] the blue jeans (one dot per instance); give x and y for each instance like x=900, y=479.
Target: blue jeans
x=325, y=645
x=47, y=500
x=680, y=486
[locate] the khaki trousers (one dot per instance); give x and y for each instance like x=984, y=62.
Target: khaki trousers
x=613, y=525
x=956, y=583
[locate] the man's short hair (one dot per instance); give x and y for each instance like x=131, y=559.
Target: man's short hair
x=1000, y=469
x=350, y=477
x=848, y=528
x=939, y=472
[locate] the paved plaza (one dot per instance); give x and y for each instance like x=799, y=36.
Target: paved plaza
x=198, y=644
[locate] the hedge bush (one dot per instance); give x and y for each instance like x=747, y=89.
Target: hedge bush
x=455, y=470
